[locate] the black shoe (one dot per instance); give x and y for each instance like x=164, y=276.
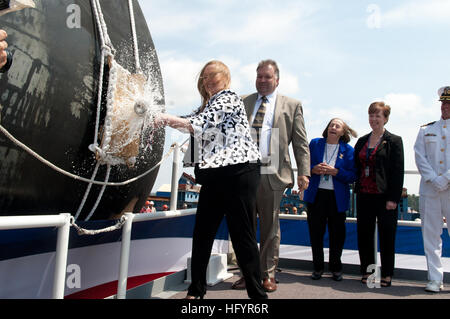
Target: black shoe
x=337, y=276
x=189, y=297
x=316, y=275
x=386, y=282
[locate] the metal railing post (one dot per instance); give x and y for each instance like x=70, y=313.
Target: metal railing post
x=62, y=247
x=174, y=185
x=376, y=241
x=124, y=256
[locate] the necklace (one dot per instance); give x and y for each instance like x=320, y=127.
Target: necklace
x=377, y=137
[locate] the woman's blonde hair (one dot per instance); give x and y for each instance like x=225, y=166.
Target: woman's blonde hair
x=222, y=68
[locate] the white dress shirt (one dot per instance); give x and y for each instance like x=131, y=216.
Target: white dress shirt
x=266, y=130
x=329, y=157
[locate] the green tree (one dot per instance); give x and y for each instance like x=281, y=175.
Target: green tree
x=413, y=202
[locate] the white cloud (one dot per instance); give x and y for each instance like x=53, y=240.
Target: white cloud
x=266, y=23
x=418, y=12
x=168, y=18
x=245, y=77
x=408, y=113
x=289, y=84
x=258, y=27
x=180, y=83
x=408, y=106
x=174, y=23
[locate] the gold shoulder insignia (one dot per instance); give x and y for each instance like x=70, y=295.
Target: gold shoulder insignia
x=428, y=124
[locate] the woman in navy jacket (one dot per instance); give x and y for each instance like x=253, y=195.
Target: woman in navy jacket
x=328, y=194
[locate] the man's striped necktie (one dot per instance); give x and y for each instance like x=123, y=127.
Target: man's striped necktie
x=259, y=118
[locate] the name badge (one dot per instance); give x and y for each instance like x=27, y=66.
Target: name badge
x=367, y=171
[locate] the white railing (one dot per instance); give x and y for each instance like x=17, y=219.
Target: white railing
x=126, y=241
x=64, y=221
x=61, y=221
x=411, y=223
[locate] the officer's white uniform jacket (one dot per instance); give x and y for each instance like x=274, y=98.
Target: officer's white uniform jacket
x=432, y=154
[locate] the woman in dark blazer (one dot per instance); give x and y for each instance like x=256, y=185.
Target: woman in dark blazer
x=328, y=194
x=380, y=172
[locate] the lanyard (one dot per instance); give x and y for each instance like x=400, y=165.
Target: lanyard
x=368, y=152
x=332, y=155
x=326, y=177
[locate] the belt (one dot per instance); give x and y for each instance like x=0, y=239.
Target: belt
x=264, y=164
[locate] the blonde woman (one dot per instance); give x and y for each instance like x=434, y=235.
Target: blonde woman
x=226, y=162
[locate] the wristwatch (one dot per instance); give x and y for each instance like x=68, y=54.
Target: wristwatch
x=9, y=59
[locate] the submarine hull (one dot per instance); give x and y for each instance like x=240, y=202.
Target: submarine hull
x=48, y=101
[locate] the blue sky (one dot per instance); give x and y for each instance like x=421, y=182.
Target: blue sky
x=335, y=56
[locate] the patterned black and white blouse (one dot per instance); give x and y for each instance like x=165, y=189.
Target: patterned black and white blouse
x=221, y=134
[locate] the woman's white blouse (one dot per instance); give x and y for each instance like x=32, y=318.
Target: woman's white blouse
x=222, y=134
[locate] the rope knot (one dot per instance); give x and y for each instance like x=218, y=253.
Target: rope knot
x=107, y=51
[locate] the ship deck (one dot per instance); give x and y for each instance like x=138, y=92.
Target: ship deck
x=297, y=284
x=294, y=281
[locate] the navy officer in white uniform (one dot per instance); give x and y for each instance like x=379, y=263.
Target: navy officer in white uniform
x=432, y=154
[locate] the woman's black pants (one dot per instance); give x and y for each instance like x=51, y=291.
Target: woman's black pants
x=228, y=191
x=320, y=213
x=371, y=209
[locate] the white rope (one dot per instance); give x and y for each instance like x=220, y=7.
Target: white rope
x=105, y=41
x=60, y=170
x=106, y=50
x=86, y=193
x=100, y=195
x=135, y=42
x=83, y=231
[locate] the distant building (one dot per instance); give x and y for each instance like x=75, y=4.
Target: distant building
x=188, y=194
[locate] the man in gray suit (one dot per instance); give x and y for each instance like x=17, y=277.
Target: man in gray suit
x=280, y=124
